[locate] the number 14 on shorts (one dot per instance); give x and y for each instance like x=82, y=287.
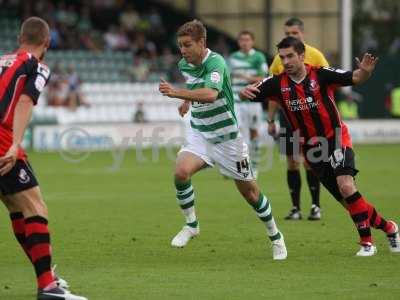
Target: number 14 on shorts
x=243, y=167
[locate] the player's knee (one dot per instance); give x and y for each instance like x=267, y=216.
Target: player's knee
x=182, y=174
x=32, y=204
x=347, y=189
x=251, y=194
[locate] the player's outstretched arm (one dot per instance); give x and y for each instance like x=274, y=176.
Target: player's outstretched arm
x=22, y=116
x=249, y=92
x=203, y=95
x=365, y=68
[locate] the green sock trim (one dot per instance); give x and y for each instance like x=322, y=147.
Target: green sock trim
x=193, y=224
x=267, y=218
x=182, y=185
x=185, y=196
x=275, y=237
x=257, y=205
x=187, y=205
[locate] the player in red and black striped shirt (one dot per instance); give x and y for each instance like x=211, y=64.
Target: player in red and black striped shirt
x=306, y=95
x=22, y=78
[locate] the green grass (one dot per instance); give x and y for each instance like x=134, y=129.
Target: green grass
x=112, y=231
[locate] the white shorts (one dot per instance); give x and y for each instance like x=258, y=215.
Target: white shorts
x=249, y=116
x=231, y=157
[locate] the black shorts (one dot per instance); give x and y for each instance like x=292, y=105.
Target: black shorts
x=20, y=178
x=338, y=162
x=286, y=145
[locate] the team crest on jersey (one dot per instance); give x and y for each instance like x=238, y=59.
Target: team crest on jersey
x=23, y=176
x=40, y=82
x=314, y=86
x=215, y=77
x=285, y=89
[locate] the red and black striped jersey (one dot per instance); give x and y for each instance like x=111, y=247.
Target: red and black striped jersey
x=20, y=73
x=309, y=105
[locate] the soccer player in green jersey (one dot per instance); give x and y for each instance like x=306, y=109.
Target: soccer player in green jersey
x=213, y=138
x=248, y=66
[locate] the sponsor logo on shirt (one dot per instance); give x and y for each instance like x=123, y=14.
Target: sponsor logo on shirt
x=302, y=104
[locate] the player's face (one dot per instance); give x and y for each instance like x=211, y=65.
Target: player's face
x=190, y=49
x=295, y=32
x=245, y=43
x=291, y=60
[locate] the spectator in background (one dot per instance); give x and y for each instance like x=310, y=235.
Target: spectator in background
x=143, y=47
x=140, y=70
x=347, y=102
x=116, y=39
x=393, y=102
x=58, y=87
x=167, y=63
x=75, y=97
x=139, y=115
x=55, y=36
x=155, y=21
x=85, y=22
x=129, y=19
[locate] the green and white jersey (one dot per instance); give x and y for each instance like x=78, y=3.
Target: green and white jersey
x=215, y=121
x=242, y=64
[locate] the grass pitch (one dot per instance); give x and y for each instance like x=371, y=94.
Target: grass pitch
x=111, y=233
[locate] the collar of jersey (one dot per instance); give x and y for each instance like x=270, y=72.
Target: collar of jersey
x=251, y=52
x=308, y=69
x=204, y=59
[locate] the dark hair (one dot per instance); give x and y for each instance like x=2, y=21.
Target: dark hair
x=246, y=32
x=290, y=41
x=34, y=31
x=295, y=22
x=195, y=29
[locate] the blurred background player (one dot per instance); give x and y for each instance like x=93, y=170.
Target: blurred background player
x=295, y=27
x=213, y=137
x=248, y=66
x=22, y=79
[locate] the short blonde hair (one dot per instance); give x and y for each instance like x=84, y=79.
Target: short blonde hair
x=195, y=29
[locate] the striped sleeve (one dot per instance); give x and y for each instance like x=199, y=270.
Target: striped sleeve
x=37, y=77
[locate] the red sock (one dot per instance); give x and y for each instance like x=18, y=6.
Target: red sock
x=39, y=248
x=358, y=209
x=378, y=222
x=18, y=225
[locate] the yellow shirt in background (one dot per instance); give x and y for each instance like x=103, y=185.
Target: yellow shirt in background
x=312, y=57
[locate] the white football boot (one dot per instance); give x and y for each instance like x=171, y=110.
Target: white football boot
x=279, y=251
x=58, y=293
x=184, y=236
x=367, y=249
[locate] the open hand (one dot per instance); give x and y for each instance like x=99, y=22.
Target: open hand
x=249, y=92
x=166, y=88
x=7, y=162
x=367, y=63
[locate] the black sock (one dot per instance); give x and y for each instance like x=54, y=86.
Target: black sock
x=314, y=187
x=294, y=183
